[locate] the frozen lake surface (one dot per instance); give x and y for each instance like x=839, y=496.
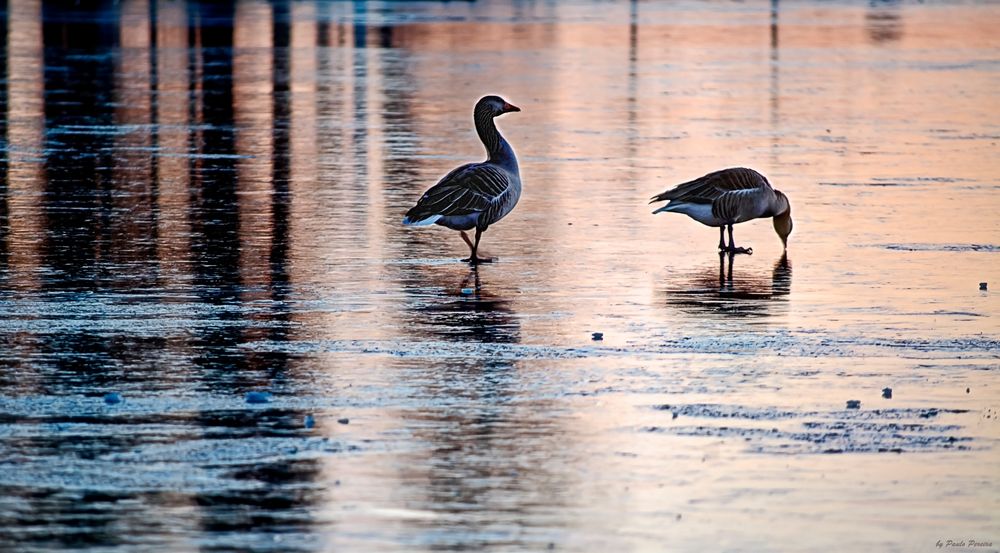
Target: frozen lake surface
x=216, y=335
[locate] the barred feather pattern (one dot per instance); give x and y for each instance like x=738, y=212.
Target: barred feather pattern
x=481, y=188
x=738, y=206
x=707, y=188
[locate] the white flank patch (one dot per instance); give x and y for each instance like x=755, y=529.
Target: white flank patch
x=421, y=223
x=699, y=212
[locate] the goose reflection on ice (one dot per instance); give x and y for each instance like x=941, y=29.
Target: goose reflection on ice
x=479, y=440
x=883, y=21
x=462, y=309
x=747, y=294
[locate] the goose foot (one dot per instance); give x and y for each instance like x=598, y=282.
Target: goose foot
x=474, y=248
x=732, y=249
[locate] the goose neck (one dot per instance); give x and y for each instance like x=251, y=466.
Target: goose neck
x=497, y=148
x=779, y=204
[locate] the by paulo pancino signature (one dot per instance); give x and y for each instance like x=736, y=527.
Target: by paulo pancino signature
x=963, y=543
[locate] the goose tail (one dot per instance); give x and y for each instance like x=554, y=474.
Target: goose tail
x=420, y=220
x=660, y=197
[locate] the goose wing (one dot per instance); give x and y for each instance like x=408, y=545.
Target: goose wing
x=744, y=204
x=472, y=188
x=710, y=187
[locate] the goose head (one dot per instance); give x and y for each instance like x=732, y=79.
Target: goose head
x=494, y=106
x=783, y=220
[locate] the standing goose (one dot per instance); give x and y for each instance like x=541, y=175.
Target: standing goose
x=475, y=195
x=727, y=197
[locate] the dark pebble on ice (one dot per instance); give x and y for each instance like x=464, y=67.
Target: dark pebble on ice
x=113, y=398
x=854, y=404
x=257, y=397
x=966, y=390
x=887, y=393
x=597, y=336
x=344, y=420
x=982, y=286
x=308, y=422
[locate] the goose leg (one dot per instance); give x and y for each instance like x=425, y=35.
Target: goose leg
x=475, y=259
x=722, y=238
x=468, y=242
x=732, y=245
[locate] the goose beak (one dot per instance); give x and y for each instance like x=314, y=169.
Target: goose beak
x=507, y=108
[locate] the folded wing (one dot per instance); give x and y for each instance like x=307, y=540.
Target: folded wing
x=737, y=206
x=469, y=189
x=708, y=188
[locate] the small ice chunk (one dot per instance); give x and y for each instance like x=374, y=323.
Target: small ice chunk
x=854, y=404
x=597, y=336
x=468, y=291
x=308, y=422
x=887, y=393
x=257, y=397
x=113, y=398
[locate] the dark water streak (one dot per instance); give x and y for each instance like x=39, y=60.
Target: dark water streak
x=99, y=209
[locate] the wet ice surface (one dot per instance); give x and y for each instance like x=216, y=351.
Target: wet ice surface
x=210, y=230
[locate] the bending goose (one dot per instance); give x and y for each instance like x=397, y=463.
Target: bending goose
x=475, y=195
x=727, y=197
